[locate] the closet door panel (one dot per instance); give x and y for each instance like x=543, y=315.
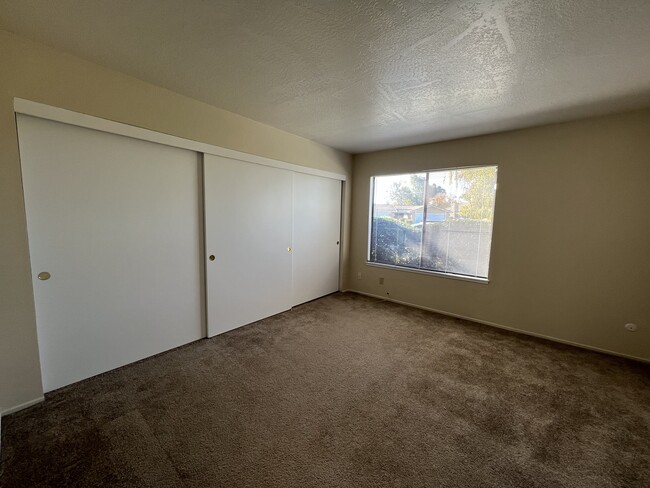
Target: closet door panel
x=316, y=236
x=248, y=230
x=115, y=222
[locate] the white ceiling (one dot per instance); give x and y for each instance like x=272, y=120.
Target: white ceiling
x=364, y=75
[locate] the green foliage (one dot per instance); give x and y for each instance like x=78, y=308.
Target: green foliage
x=437, y=197
x=478, y=195
x=402, y=226
x=435, y=190
x=413, y=193
x=394, y=242
x=408, y=194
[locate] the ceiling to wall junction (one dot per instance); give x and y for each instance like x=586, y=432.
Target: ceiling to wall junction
x=367, y=75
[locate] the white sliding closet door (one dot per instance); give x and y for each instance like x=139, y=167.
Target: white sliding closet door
x=115, y=224
x=248, y=232
x=316, y=236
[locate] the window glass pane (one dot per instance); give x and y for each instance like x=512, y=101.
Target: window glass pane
x=396, y=231
x=439, y=221
x=455, y=244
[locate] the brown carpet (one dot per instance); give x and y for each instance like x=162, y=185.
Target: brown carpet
x=346, y=391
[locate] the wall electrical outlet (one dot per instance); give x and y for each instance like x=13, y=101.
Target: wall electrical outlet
x=381, y=281
x=359, y=275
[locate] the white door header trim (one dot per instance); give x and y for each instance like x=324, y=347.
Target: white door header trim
x=35, y=109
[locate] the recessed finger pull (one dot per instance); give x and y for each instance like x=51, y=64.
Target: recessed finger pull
x=44, y=276
x=211, y=258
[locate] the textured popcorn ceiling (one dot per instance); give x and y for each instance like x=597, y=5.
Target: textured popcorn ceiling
x=365, y=75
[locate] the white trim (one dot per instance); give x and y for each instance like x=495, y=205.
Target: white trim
x=499, y=326
x=35, y=109
x=22, y=406
x=433, y=170
x=473, y=279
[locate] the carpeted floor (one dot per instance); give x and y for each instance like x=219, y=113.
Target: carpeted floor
x=346, y=391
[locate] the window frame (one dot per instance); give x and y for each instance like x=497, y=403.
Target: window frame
x=409, y=269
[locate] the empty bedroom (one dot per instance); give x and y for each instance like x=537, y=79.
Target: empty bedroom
x=300, y=243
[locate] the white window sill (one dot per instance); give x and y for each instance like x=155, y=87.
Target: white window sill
x=473, y=279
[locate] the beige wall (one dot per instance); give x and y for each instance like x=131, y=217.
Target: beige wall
x=37, y=73
x=571, y=246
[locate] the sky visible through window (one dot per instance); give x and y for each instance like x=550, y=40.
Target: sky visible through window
x=383, y=185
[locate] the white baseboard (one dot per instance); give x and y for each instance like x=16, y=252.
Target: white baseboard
x=22, y=406
x=500, y=326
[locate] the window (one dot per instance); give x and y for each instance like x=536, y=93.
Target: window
x=438, y=221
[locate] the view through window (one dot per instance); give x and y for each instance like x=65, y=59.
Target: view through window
x=436, y=220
